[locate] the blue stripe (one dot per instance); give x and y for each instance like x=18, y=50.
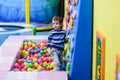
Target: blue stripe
x=57, y=38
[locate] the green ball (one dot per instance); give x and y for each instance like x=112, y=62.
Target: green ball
x=45, y=65
x=48, y=54
x=68, y=67
x=30, y=65
x=45, y=48
x=41, y=52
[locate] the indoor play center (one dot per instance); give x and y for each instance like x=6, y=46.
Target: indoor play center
x=91, y=53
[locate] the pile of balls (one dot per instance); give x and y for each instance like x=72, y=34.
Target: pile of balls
x=33, y=56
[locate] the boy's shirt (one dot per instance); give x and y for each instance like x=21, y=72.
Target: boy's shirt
x=56, y=39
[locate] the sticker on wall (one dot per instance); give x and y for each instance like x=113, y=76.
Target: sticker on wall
x=75, y=2
x=71, y=21
x=100, y=55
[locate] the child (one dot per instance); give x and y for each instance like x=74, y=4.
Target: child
x=56, y=39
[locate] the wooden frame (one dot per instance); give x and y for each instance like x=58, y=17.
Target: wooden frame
x=101, y=52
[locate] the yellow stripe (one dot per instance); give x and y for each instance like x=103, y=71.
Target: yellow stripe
x=27, y=11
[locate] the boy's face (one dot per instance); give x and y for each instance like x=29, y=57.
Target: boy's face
x=56, y=25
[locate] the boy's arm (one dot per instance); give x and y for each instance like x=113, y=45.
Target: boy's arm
x=49, y=39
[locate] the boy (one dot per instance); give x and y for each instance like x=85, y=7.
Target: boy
x=56, y=40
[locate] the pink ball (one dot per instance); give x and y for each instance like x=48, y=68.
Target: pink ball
x=16, y=65
x=36, y=56
x=46, y=59
x=41, y=48
x=50, y=59
x=45, y=51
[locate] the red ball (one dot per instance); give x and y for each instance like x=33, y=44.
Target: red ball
x=35, y=51
x=19, y=61
x=41, y=64
x=44, y=55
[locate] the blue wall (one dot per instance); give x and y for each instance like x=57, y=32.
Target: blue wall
x=81, y=68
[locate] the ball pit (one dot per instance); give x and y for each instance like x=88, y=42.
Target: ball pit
x=33, y=56
x=10, y=56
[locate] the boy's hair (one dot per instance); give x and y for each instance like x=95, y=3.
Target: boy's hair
x=57, y=18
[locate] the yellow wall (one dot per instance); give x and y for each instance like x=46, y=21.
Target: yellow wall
x=107, y=20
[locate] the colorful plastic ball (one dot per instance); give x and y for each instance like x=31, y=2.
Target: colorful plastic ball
x=33, y=45
x=50, y=59
x=27, y=53
x=30, y=65
x=44, y=55
x=25, y=47
x=63, y=67
x=45, y=51
x=41, y=52
x=35, y=65
x=35, y=60
x=40, y=55
x=25, y=40
x=36, y=56
x=38, y=50
x=32, y=51
x=48, y=55
x=45, y=48
x=45, y=65
x=42, y=44
x=41, y=48
x=29, y=61
x=39, y=67
x=19, y=61
x=35, y=51
x=52, y=64
x=25, y=43
x=29, y=69
x=26, y=64
x=31, y=48
x=16, y=65
x=41, y=64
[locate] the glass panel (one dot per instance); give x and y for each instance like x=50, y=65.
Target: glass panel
x=12, y=11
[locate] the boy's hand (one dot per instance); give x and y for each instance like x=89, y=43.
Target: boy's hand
x=67, y=38
x=49, y=50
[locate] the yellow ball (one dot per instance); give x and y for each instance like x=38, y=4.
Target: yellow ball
x=39, y=67
x=27, y=53
x=25, y=63
x=33, y=45
x=23, y=51
x=36, y=65
x=34, y=60
x=52, y=64
x=52, y=70
x=25, y=43
x=29, y=69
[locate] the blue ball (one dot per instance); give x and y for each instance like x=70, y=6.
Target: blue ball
x=25, y=40
x=63, y=67
x=32, y=51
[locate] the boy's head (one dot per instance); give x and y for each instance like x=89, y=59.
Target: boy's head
x=57, y=23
